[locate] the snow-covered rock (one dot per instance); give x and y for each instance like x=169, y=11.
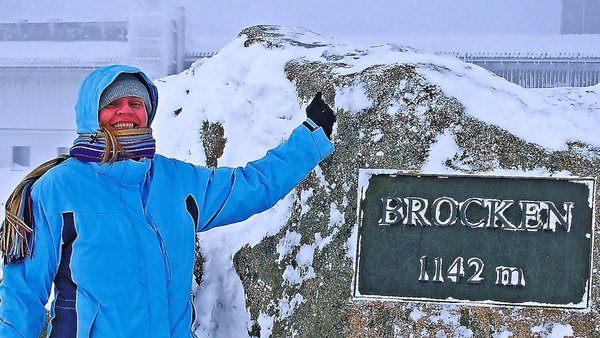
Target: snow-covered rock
x=397, y=108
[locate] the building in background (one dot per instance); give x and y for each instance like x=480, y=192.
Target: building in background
x=580, y=17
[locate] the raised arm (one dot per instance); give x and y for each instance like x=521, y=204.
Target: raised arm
x=232, y=195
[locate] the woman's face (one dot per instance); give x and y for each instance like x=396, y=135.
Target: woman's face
x=124, y=113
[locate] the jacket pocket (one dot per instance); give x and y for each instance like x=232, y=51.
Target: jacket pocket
x=87, y=311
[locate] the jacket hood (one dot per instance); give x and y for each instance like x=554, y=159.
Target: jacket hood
x=86, y=109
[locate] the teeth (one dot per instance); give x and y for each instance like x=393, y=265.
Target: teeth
x=123, y=125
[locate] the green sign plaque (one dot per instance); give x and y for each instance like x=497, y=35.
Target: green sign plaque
x=523, y=241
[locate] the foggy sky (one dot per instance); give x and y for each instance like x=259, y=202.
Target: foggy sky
x=222, y=20
x=385, y=16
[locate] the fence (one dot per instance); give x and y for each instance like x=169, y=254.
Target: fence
x=541, y=71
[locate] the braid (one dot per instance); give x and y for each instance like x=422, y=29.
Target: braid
x=112, y=148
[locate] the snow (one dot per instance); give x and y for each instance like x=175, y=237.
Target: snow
x=537, y=329
x=287, y=243
x=335, y=216
x=304, y=196
x=323, y=242
x=297, y=275
x=377, y=135
x=351, y=243
x=445, y=317
x=286, y=306
x=352, y=98
x=503, y=334
x=561, y=330
x=266, y=325
x=416, y=314
x=557, y=330
x=553, y=113
x=305, y=255
x=438, y=154
x=319, y=173
x=246, y=90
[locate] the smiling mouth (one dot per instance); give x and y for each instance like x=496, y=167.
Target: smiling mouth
x=124, y=125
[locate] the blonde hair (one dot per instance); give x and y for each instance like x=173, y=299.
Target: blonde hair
x=112, y=148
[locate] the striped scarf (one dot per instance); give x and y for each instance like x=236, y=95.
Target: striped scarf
x=17, y=231
x=110, y=146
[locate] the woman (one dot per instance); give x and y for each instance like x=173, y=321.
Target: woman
x=113, y=226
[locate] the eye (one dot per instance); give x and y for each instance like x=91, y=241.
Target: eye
x=136, y=104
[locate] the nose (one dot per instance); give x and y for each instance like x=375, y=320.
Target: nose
x=125, y=110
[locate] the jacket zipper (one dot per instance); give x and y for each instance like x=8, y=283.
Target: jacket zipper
x=161, y=243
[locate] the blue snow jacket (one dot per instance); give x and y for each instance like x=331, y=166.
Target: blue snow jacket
x=117, y=240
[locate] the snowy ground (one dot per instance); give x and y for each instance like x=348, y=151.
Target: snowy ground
x=245, y=89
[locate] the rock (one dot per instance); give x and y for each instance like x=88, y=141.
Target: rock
x=302, y=276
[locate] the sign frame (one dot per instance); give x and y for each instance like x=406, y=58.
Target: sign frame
x=364, y=177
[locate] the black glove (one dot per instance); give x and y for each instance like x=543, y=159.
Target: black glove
x=320, y=113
